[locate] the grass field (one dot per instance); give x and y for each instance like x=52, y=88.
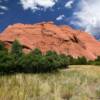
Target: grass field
x=75, y=83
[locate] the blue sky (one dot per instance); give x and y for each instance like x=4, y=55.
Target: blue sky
x=80, y=14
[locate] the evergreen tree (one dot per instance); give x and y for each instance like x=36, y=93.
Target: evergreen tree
x=36, y=51
x=16, y=49
x=2, y=47
x=25, y=63
x=64, y=61
x=97, y=61
x=6, y=63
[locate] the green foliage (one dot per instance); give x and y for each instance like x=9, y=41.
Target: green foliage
x=16, y=49
x=52, y=58
x=6, y=62
x=57, y=60
x=64, y=61
x=96, y=62
x=36, y=52
x=35, y=61
x=81, y=61
x=2, y=47
x=71, y=60
x=78, y=61
x=25, y=63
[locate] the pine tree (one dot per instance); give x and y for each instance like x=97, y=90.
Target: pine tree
x=36, y=51
x=2, y=47
x=16, y=49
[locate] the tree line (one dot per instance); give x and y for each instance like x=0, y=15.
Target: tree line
x=15, y=60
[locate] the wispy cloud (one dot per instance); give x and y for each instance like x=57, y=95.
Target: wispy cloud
x=3, y=8
x=69, y=4
x=61, y=17
x=1, y=13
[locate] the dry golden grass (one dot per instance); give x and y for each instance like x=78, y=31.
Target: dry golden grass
x=75, y=83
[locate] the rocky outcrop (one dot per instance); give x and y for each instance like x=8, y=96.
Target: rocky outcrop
x=48, y=36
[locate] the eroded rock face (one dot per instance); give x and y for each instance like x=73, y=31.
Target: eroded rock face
x=48, y=36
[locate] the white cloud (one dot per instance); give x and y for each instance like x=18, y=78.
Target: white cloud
x=3, y=7
x=88, y=15
x=69, y=4
x=61, y=17
x=37, y=4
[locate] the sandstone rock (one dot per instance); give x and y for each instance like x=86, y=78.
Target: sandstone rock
x=48, y=36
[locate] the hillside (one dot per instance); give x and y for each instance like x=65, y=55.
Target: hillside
x=48, y=36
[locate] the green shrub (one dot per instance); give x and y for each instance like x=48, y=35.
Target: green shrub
x=96, y=62
x=36, y=52
x=52, y=59
x=78, y=61
x=2, y=47
x=6, y=62
x=36, y=62
x=82, y=61
x=25, y=63
x=64, y=61
x=57, y=60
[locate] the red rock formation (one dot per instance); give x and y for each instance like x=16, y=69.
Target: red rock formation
x=48, y=36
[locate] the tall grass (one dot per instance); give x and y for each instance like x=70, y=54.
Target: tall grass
x=75, y=83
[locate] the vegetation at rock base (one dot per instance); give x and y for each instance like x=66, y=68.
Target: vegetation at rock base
x=16, y=60
x=2, y=47
x=79, y=82
x=78, y=61
x=96, y=62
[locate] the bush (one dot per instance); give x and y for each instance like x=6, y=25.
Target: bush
x=2, y=47
x=25, y=63
x=52, y=59
x=78, y=61
x=36, y=52
x=81, y=61
x=6, y=62
x=96, y=62
x=64, y=61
